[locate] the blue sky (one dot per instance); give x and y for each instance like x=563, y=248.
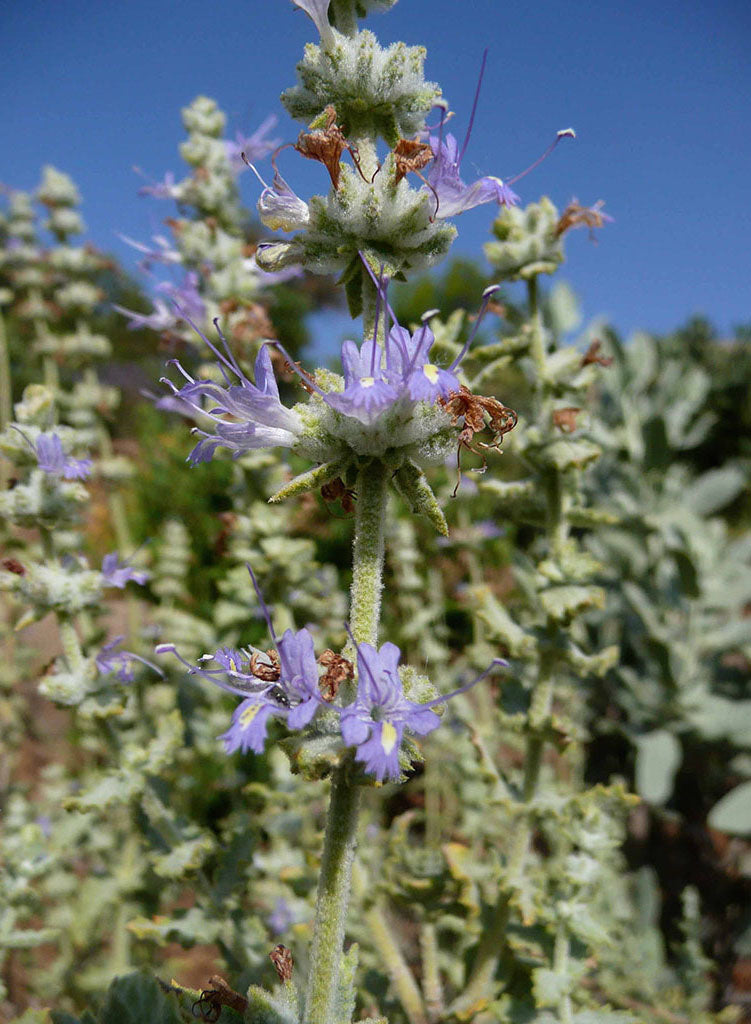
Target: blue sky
x=658, y=93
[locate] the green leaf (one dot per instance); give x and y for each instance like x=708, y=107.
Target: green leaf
x=564, y=602
x=549, y=986
x=733, y=813
x=137, y=999
x=412, y=484
x=658, y=757
x=565, y=454
x=346, y=992
x=312, y=480
x=714, y=490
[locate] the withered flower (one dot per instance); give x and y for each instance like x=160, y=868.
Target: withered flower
x=281, y=958
x=338, y=669
x=565, y=419
x=592, y=355
x=474, y=409
x=327, y=145
x=575, y=216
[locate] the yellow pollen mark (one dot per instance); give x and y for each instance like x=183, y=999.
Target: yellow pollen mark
x=431, y=372
x=367, y=382
x=388, y=737
x=233, y=664
x=248, y=715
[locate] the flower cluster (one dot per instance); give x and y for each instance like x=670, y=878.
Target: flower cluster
x=394, y=375
x=285, y=685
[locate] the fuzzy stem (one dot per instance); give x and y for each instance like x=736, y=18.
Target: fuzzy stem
x=333, y=898
x=6, y=396
x=334, y=881
x=383, y=938
x=367, y=569
x=431, y=974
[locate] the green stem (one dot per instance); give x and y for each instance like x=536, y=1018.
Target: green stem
x=335, y=879
x=367, y=569
x=333, y=898
x=6, y=394
x=383, y=938
x=431, y=974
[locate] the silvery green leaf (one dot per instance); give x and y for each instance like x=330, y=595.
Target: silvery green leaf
x=733, y=813
x=562, y=603
x=658, y=757
x=712, y=491
x=571, y=454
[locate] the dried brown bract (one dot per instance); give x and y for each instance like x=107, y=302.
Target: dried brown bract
x=336, y=490
x=410, y=156
x=281, y=958
x=209, y=1006
x=338, y=669
x=592, y=355
x=565, y=419
x=327, y=145
x=13, y=565
x=269, y=671
x=575, y=216
x=474, y=409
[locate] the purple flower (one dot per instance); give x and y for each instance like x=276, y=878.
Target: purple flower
x=247, y=148
x=281, y=918
x=117, y=575
x=121, y=662
x=165, y=189
x=161, y=319
x=259, y=420
x=279, y=208
x=53, y=460
x=376, y=721
x=294, y=696
x=161, y=252
x=453, y=196
x=317, y=10
x=186, y=296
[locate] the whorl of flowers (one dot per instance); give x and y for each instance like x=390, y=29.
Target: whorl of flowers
x=286, y=684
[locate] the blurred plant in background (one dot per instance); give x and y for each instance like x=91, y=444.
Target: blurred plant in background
x=571, y=845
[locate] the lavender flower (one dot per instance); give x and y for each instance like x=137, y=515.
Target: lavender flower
x=53, y=460
x=251, y=147
x=161, y=319
x=161, y=252
x=117, y=574
x=279, y=208
x=121, y=662
x=294, y=696
x=259, y=420
x=186, y=296
x=452, y=194
x=317, y=10
x=376, y=721
x=165, y=189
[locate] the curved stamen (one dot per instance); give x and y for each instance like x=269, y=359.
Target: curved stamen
x=231, y=363
x=264, y=607
x=564, y=133
x=306, y=378
x=213, y=675
x=474, y=106
x=253, y=169
x=462, y=689
x=376, y=346
x=486, y=297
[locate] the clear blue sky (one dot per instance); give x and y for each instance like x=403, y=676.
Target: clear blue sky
x=659, y=93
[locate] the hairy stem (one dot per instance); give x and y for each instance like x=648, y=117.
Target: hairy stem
x=335, y=879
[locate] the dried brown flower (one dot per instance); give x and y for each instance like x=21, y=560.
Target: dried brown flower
x=327, y=145
x=269, y=671
x=592, y=355
x=565, y=419
x=474, y=409
x=336, y=490
x=575, y=216
x=281, y=958
x=338, y=669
